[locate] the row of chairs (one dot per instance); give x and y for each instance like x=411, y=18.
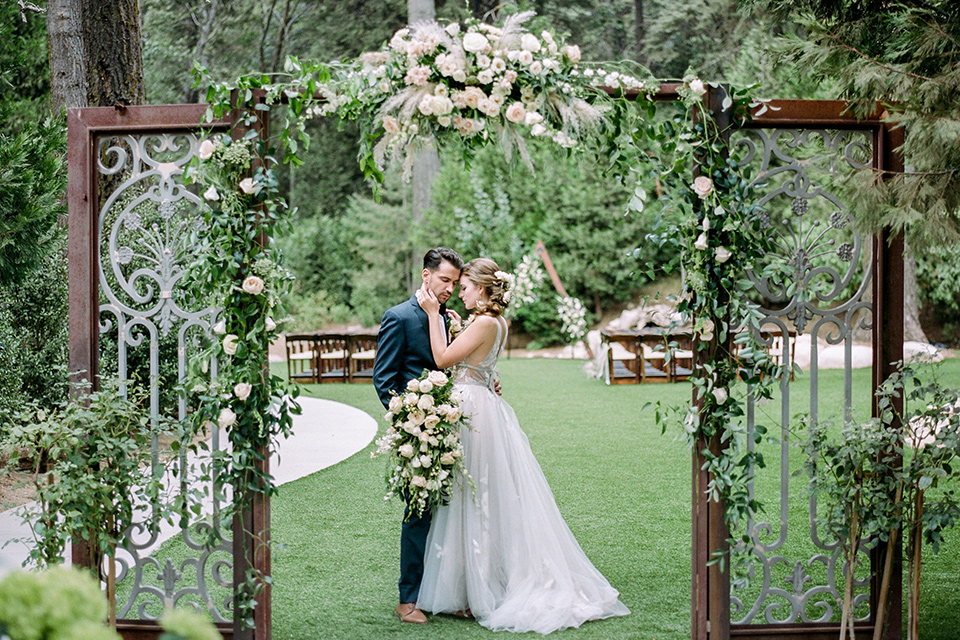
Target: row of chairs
x=634, y=358
x=330, y=357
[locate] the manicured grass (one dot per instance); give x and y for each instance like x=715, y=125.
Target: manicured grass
x=623, y=488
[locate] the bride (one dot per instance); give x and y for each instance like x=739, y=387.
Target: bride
x=503, y=553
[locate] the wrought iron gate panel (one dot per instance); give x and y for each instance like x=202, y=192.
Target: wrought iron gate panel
x=818, y=290
x=145, y=221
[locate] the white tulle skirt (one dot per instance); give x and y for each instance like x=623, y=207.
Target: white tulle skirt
x=505, y=552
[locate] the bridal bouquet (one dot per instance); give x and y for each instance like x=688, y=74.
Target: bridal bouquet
x=423, y=442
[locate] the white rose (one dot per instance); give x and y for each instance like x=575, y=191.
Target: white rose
x=447, y=458
x=475, y=42
x=406, y=450
x=426, y=461
x=701, y=242
x=253, y=285
x=444, y=121
x=525, y=58
x=227, y=418
x=413, y=385
x=206, y=150
x=417, y=417
x=424, y=436
x=247, y=185
x=438, y=378
x=230, y=344
x=529, y=42
x=455, y=397
x=696, y=87
x=453, y=415
x=431, y=421
x=391, y=125
x=702, y=186
x=211, y=194
x=516, y=112
x=720, y=394
x=723, y=255
x=538, y=130
x=572, y=52
x=220, y=328
x=242, y=390
x=425, y=403
x=418, y=481
x=410, y=399
x=269, y=324
x=489, y=107
x=396, y=403
x=426, y=386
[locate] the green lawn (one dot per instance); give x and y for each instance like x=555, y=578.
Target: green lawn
x=623, y=488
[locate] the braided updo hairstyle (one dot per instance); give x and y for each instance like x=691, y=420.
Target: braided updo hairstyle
x=485, y=273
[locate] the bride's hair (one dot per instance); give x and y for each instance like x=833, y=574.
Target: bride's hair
x=485, y=273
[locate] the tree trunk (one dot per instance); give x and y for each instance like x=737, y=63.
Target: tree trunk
x=68, y=71
x=426, y=163
x=911, y=300
x=205, y=21
x=114, y=52
x=639, y=31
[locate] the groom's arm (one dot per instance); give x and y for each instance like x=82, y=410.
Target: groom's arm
x=390, y=351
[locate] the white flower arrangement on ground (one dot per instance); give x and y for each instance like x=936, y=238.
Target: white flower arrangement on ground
x=573, y=315
x=465, y=85
x=423, y=442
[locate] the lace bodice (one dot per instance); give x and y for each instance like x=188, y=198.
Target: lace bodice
x=484, y=373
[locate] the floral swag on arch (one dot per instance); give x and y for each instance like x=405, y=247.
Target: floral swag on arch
x=462, y=87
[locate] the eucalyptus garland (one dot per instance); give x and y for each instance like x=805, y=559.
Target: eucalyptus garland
x=461, y=87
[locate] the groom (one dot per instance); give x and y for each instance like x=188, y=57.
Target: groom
x=403, y=352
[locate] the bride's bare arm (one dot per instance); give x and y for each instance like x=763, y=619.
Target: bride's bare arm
x=480, y=332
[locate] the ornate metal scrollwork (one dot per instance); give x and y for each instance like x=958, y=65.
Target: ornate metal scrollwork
x=145, y=220
x=814, y=284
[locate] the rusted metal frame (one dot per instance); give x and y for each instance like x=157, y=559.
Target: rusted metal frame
x=84, y=126
x=251, y=527
x=888, y=248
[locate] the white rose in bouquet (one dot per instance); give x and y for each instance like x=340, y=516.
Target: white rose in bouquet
x=424, y=436
x=426, y=403
x=529, y=42
x=425, y=386
x=417, y=416
x=454, y=414
x=702, y=186
x=206, y=150
x=418, y=481
x=456, y=397
x=396, y=403
x=227, y=418
x=406, y=450
x=230, y=344
x=426, y=461
x=410, y=399
x=413, y=385
x=443, y=409
x=431, y=421
x=438, y=378
x=253, y=285
x=247, y=186
x=242, y=390
x=475, y=42
x=516, y=112
x=447, y=458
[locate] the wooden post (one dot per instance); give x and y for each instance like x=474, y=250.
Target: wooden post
x=541, y=251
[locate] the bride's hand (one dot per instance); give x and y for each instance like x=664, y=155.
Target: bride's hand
x=454, y=317
x=428, y=301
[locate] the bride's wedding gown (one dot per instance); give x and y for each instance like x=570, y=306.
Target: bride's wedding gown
x=505, y=552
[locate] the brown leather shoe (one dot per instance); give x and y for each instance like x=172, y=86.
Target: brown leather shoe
x=408, y=612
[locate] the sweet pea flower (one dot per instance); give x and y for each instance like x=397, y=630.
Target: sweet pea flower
x=220, y=328
x=211, y=194
x=242, y=390
x=269, y=324
x=723, y=254
x=696, y=87
x=206, y=150
x=701, y=242
x=227, y=418
x=247, y=186
x=230, y=344
x=702, y=186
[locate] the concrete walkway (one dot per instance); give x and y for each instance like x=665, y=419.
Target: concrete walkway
x=323, y=435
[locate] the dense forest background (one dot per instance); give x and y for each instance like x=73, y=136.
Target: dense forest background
x=354, y=256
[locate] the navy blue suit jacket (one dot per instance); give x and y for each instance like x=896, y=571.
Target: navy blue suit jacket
x=403, y=348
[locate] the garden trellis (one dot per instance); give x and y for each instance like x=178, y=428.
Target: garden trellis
x=127, y=197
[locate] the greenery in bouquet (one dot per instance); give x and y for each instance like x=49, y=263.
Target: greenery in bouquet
x=423, y=443
x=463, y=86
x=56, y=604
